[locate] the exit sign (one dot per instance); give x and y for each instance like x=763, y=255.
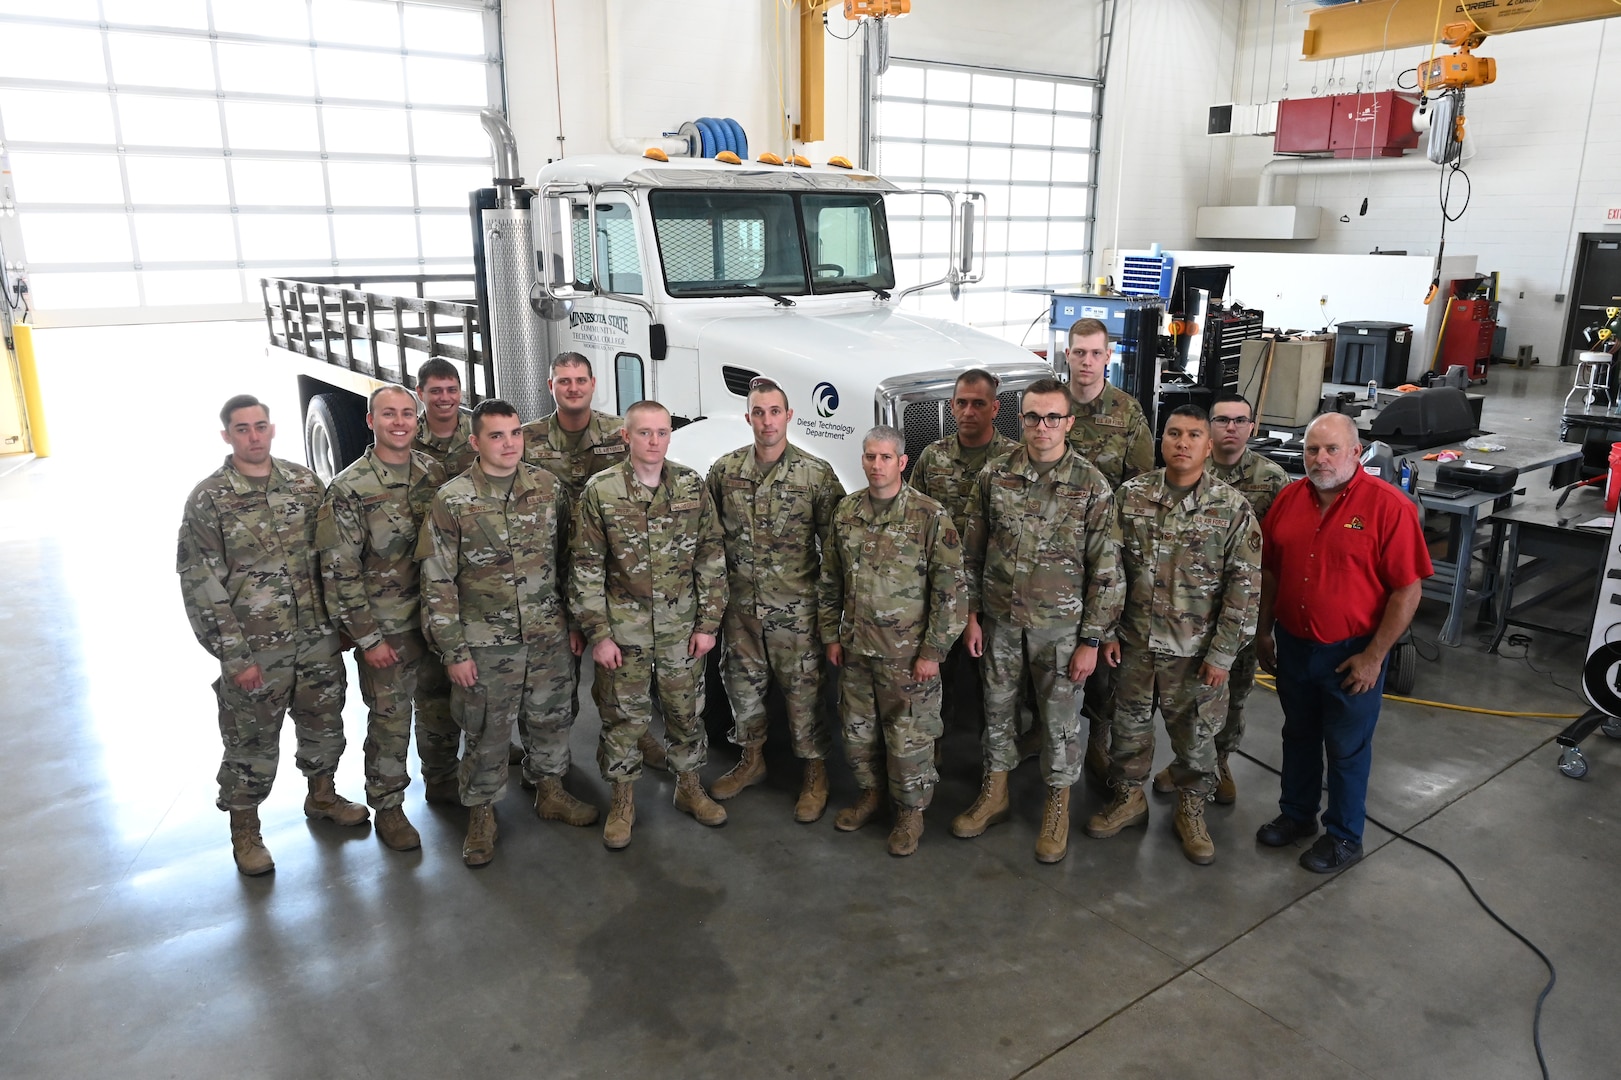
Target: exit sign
x=1613, y=215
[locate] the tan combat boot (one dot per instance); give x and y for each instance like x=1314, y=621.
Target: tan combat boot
x=749, y=770
x=479, y=847
x=247, y=846
x=324, y=802
x=852, y=818
x=1052, y=844
x=691, y=798
x=554, y=803
x=1163, y=782
x=812, y=792
x=396, y=831
x=991, y=808
x=443, y=792
x=621, y=816
x=1226, y=790
x=654, y=754
x=1196, y=842
x=1126, y=807
x=908, y=830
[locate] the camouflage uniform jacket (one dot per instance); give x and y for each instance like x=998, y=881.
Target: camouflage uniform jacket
x=649, y=565
x=247, y=562
x=1111, y=432
x=1257, y=478
x=775, y=523
x=602, y=445
x=943, y=474
x=891, y=583
x=1192, y=568
x=455, y=453
x=1043, y=552
x=367, y=533
x=493, y=563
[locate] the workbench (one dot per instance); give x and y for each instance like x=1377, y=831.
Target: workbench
x=1451, y=580
x=1548, y=545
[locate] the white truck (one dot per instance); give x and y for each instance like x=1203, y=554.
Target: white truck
x=681, y=280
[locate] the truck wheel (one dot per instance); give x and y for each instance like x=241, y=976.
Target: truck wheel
x=335, y=434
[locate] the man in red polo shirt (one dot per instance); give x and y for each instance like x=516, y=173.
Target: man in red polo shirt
x=1342, y=568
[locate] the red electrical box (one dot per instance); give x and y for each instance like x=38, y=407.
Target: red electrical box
x=1347, y=125
x=1467, y=342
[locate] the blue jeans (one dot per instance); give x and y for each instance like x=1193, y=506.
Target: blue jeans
x=1319, y=715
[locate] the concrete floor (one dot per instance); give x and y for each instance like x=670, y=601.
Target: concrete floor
x=130, y=946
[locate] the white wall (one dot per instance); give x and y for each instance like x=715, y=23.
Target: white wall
x=1548, y=158
x=681, y=60
x=1172, y=59
x=677, y=60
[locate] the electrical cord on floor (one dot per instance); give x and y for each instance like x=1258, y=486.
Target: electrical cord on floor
x=1553, y=973
x=1270, y=683
x=1523, y=641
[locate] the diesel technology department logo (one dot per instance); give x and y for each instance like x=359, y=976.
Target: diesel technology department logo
x=826, y=396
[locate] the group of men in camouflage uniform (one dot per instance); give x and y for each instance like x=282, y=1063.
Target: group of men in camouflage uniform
x=1092, y=575
x=472, y=561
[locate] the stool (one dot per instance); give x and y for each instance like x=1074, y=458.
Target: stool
x=1593, y=377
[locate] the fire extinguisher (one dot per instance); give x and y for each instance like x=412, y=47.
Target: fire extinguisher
x=1612, y=490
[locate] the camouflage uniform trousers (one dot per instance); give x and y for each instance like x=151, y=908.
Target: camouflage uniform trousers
x=624, y=699
x=1098, y=703
x=890, y=722
x=1240, y=681
x=389, y=694
x=532, y=771
x=439, y=737
x=1015, y=658
x=1193, y=713
x=306, y=680
x=757, y=652
x=532, y=681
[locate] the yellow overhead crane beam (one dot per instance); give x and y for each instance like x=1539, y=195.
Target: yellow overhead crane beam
x=1375, y=25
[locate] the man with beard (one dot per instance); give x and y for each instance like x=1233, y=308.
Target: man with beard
x=1341, y=576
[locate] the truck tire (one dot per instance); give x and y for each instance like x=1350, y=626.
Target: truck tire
x=335, y=434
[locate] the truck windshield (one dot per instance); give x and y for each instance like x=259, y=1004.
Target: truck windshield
x=716, y=243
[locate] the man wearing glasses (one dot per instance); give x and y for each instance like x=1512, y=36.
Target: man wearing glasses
x=945, y=472
x=1258, y=479
x=1191, y=550
x=1111, y=432
x=1044, y=589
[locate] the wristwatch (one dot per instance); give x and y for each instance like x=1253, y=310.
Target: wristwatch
x=1092, y=641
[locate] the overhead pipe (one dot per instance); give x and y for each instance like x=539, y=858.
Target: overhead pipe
x=616, y=125
x=507, y=173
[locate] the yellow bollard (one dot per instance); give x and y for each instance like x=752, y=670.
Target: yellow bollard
x=33, y=403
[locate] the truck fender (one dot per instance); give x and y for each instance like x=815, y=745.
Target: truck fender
x=697, y=445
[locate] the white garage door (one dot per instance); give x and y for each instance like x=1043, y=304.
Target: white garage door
x=166, y=154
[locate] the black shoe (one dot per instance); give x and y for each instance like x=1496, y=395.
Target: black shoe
x=1330, y=853
x=1284, y=830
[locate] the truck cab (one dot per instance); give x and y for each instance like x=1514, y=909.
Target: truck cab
x=684, y=280
x=680, y=281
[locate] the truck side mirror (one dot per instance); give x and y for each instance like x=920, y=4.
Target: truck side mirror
x=965, y=245
x=557, y=246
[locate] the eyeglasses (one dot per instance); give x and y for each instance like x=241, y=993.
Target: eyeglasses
x=1052, y=419
x=1230, y=421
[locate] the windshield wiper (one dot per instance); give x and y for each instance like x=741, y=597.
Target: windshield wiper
x=882, y=294
x=785, y=301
